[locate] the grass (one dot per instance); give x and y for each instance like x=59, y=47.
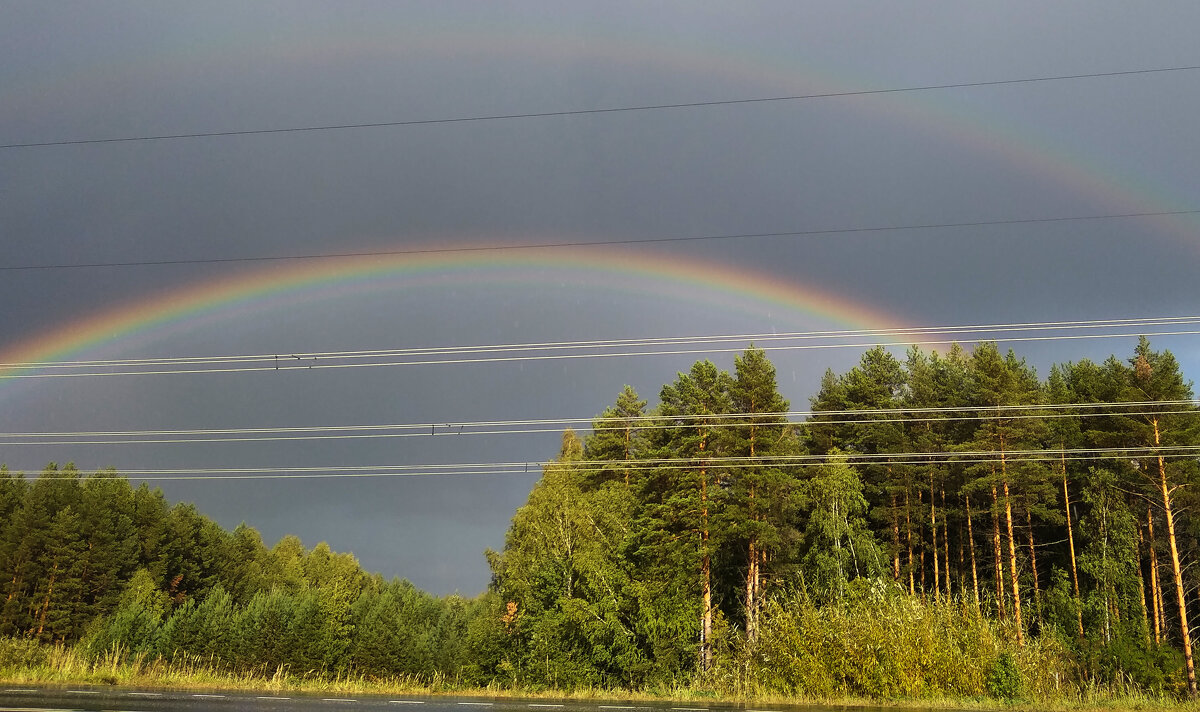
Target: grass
x=27, y=663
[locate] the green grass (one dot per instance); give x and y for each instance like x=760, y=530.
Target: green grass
x=25, y=662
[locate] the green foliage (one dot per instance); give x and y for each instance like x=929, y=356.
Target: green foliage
x=874, y=642
x=1128, y=661
x=135, y=626
x=1004, y=679
x=881, y=643
x=618, y=438
x=706, y=542
x=571, y=619
x=22, y=653
x=401, y=630
x=492, y=642
x=836, y=546
x=205, y=630
x=1109, y=556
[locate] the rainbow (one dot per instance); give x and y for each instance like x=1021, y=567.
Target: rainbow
x=1102, y=187
x=629, y=270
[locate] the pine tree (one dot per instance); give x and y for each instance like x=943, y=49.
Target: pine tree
x=386, y=640
x=1066, y=432
x=878, y=382
x=926, y=434
x=1000, y=382
x=111, y=556
x=1154, y=376
x=15, y=549
x=285, y=566
x=192, y=553
x=334, y=581
x=150, y=520
x=32, y=560
x=616, y=438
x=264, y=631
x=248, y=566
x=205, y=630
x=826, y=432
x=135, y=625
x=680, y=507
x=57, y=597
x=757, y=506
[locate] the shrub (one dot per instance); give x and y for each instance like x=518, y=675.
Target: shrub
x=1004, y=679
x=22, y=653
x=879, y=642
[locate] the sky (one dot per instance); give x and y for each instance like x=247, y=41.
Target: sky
x=213, y=207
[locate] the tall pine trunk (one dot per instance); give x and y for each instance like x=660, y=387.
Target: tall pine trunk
x=908, y=533
x=1037, y=592
x=933, y=529
x=1156, y=587
x=46, y=603
x=1185, y=634
x=921, y=538
x=962, y=560
x=999, y=556
x=752, y=557
x=751, y=588
x=706, y=580
x=705, y=570
x=12, y=587
x=971, y=540
x=946, y=542
x=1071, y=542
x=895, y=538
x=1012, y=547
x=1137, y=546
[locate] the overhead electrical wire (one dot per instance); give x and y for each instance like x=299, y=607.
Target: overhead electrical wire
x=595, y=111
x=688, y=462
x=316, y=365
x=714, y=463
x=1132, y=322
x=729, y=420
x=551, y=425
x=598, y=243
x=501, y=353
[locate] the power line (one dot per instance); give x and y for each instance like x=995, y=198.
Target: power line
x=272, y=359
x=334, y=434
x=959, y=329
x=516, y=468
x=555, y=425
x=683, y=462
x=600, y=243
x=317, y=364
x=586, y=112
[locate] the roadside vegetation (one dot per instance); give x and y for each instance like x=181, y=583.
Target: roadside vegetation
x=942, y=530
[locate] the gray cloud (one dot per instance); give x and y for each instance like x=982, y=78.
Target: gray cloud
x=1070, y=148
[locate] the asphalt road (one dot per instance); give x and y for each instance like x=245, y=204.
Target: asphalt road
x=103, y=699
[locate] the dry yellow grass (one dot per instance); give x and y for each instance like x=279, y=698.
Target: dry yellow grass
x=64, y=665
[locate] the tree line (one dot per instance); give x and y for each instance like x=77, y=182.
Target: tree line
x=955, y=504
x=1055, y=509
x=94, y=561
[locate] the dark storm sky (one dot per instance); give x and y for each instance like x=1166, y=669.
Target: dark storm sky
x=1106, y=145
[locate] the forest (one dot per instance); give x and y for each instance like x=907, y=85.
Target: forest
x=938, y=526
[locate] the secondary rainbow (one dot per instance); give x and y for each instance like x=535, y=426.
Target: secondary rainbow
x=931, y=112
